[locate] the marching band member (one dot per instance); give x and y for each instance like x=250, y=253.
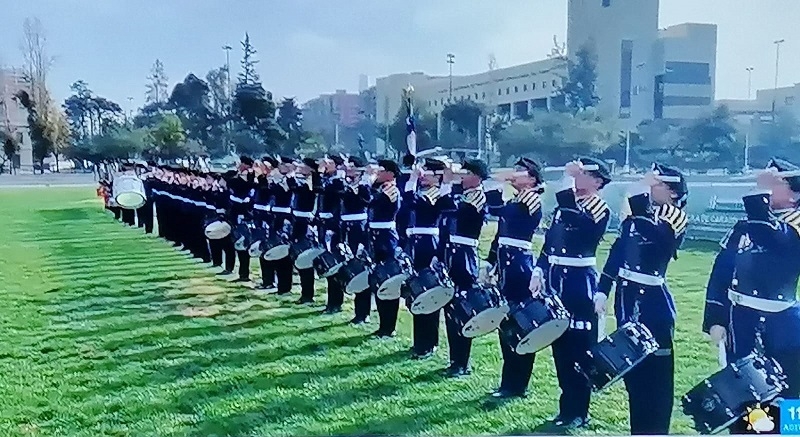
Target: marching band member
x=144, y=214
x=649, y=238
x=383, y=237
x=511, y=255
x=426, y=205
x=567, y=268
x=330, y=192
x=751, y=301
x=356, y=198
x=305, y=199
x=262, y=215
x=128, y=215
x=218, y=198
x=461, y=255
x=241, y=193
x=404, y=213
x=282, y=220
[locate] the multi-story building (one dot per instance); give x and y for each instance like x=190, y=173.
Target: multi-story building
x=13, y=117
x=328, y=110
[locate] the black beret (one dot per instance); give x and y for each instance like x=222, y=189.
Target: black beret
x=287, y=160
x=246, y=160
x=229, y=174
x=408, y=160
x=357, y=162
x=476, y=166
x=674, y=179
x=602, y=172
x=311, y=162
x=151, y=163
x=270, y=160
x=533, y=167
x=783, y=165
x=338, y=160
x=434, y=165
x=389, y=166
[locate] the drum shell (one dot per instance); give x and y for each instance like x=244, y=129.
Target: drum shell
x=303, y=253
x=529, y=316
x=129, y=192
x=609, y=360
x=242, y=237
x=383, y=271
x=349, y=271
x=274, y=247
x=217, y=229
x=328, y=263
x=468, y=304
x=418, y=291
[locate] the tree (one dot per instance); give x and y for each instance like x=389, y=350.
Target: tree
x=217, y=80
x=248, y=75
x=290, y=120
x=424, y=124
x=168, y=138
x=156, y=88
x=58, y=131
x=780, y=136
x=254, y=111
x=89, y=115
x=41, y=143
x=579, y=91
x=463, y=115
x=37, y=61
x=115, y=144
x=190, y=100
x=709, y=142
x=10, y=148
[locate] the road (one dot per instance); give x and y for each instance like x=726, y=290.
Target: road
x=48, y=180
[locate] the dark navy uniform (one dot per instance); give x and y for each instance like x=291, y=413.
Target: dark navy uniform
x=567, y=265
x=303, y=211
x=649, y=239
x=356, y=197
x=282, y=200
x=219, y=199
x=144, y=214
x=403, y=218
x=241, y=193
x=383, y=240
x=760, y=311
x=262, y=218
x=511, y=255
x=329, y=192
x=461, y=258
x=426, y=206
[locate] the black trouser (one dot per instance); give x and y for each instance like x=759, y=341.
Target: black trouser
x=353, y=234
x=306, y=284
x=569, y=349
x=517, y=369
x=145, y=217
x=460, y=346
x=426, y=332
x=335, y=293
x=117, y=212
x=331, y=228
x=651, y=393
x=244, y=264
x=267, y=272
x=387, y=312
x=129, y=217
x=284, y=269
x=362, y=303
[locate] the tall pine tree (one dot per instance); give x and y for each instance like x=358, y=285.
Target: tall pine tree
x=157, y=84
x=248, y=75
x=580, y=89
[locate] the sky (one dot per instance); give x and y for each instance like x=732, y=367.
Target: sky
x=311, y=47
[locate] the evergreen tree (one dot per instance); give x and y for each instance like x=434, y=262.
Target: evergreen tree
x=248, y=75
x=157, y=85
x=580, y=89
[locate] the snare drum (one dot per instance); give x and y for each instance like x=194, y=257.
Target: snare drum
x=354, y=274
x=725, y=397
x=274, y=248
x=217, y=229
x=388, y=278
x=129, y=191
x=534, y=324
x=241, y=237
x=258, y=236
x=328, y=263
x=477, y=311
x=611, y=359
x=428, y=291
x=304, y=252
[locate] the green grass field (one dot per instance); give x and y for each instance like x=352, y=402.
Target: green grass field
x=107, y=332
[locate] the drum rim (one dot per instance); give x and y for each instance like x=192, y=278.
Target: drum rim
x=444, y=289
x=482, y=313
x=540, y=328
x=365, y=275
x=331, y=271
x=310, y=264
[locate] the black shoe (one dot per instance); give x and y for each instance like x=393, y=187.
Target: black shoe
x=457, y=371
x=240, y=280
x=265, y=287
x=304, y=300
x=383, y=334
x=215, y=266
x=571, y=423
x=332, y=310
x=424, y=355
x=358, y=321
x=506, y=394
x=284, y=293
x=225, y=273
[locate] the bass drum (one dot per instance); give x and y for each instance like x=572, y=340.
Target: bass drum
x=611, y=359
x=129, y=191
x=534, y=324
x=477, y=311
x=728, y=395
x=428, y=291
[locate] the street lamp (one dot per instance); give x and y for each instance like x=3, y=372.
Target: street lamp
x=228, y=49
x=749, y=81
x=777, y=65
x=451, y=59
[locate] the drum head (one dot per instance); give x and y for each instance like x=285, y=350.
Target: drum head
x=217, y=230
x=390, y=289
x=130, y=200
x=432, y=300
x=542, y=337
x=358, y=284
x=255, y=250
x=277, y=252
x=305, y=260
x=332, y=271
x=485, y=322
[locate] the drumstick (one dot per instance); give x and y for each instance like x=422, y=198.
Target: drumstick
x=722, y=355
x=601, y=327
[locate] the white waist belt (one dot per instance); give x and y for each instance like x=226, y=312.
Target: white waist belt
x=239, y=199
x=303, y=214
x=261, y=207
x=381, y=225
x=580, y=325
x=354, y=217
x=464, y=241
x=326, y=215
x=422, y=231
x=282, y=209
x=568, y=261
x=513, y=242
x=641, y=278
x=220, y=210
x=757, y=303
x=211, y=207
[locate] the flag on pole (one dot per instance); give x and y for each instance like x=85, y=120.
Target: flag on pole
x=411, y=135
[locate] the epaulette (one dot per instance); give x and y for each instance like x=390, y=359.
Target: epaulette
x=674, y=216
x=595, y=206
x=391, y=191
x=791, y=218
x=531, y=200
x=432, y=194
x=476, y=198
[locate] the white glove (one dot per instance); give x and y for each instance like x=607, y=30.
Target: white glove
x=361, y=249
x=600, y=300
x=536, y=284
x=483, y=273
x=718, y=334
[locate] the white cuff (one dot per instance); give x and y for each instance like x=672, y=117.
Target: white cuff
x=566, y=183
x=367, y=179
x=600, y=296
x=492, y=186
x=340, y=173
x=446, y=189
x=411, y=185
x=637, y=189
x=538, y=272
x=291, y=174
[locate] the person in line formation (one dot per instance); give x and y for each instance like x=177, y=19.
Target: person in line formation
x=347, y=203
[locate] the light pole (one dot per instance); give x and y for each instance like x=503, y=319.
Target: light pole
x=451, y=59
x=130, y=109
x=228, y=49
x=749, y=81
x=777, y=65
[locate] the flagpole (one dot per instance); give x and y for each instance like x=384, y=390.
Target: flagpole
x=411, y=135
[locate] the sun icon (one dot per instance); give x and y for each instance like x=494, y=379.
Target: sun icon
x=758, y=419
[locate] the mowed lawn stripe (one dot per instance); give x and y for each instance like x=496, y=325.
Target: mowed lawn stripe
x=115, y=333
